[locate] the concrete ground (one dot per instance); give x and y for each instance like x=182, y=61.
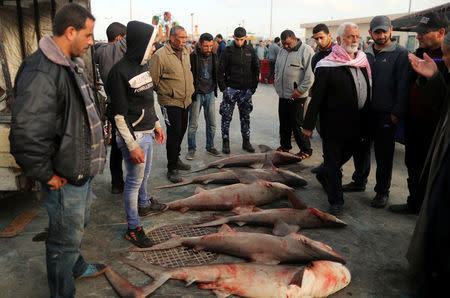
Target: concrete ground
x=374, y=243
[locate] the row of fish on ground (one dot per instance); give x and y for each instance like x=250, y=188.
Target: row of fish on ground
x=324, y=273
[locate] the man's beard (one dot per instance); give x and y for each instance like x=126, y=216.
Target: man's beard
x=351, y=48
x=381, y=43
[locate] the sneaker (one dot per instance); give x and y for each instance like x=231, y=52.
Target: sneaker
x=335, y=209
x=154, y=208
x=379, y=201
x=191, y=154
x=353, y=187
x=182, y=166
x=317, y=169
x=138, y=238
x=174, y=176
x=92, y=270
x=403, y=209
x=214, y=151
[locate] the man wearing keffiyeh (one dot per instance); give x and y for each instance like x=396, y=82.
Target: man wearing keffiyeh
x=341, y=95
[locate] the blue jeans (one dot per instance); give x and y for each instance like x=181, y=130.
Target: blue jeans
x=68, y=210
x=135, y=190
x=207, y=101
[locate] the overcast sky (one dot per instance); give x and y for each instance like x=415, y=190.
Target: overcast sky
x=222, y=16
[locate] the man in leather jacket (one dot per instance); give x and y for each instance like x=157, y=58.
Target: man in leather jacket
x=57, y=138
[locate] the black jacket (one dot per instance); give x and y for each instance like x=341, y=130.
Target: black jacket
x=391, y=76
x=49, y=129
x=195, y=65
x=129, y=83
x=240, y=67
x=334, y=97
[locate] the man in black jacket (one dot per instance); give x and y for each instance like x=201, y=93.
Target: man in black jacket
x=341, y=95
x=391, y=72
x=204, y=67
x=239, y=66
x=106, y=55
x=57, y=138
x=133, y=109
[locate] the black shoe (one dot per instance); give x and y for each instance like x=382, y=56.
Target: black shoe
x=317, y=169
x=379, y=201
x=213, y=151
x=247, y=146
x=174, y=176
x=116, y=188
x=353, y=187
x=403, y=209
x=321, y=180
x=154, y=208
x=138, y=238
x=335, y=209
x=182, y=166
x=226, y=146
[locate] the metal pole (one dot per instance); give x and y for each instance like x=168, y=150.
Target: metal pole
x=131, y=14
x=192, y=25
x=409, y=9
x=271, y=9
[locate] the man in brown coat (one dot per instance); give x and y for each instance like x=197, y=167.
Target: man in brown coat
x=170, y=69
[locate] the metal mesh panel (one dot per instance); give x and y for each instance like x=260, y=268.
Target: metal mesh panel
x=178, y=256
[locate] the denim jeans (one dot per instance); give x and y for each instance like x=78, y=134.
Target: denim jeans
x=68, y=209
x=207, y=101
x=135, y=190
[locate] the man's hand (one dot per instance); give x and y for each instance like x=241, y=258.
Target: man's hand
x=394, y=119
x=160, y=137
x=425, y=67
x=137, y=155
x=296, y=94
x=56, y=182
x=307, y=132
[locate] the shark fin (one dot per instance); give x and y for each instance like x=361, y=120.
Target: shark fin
x=245, y=176
x=282, y=229
x=297, y=279
x=264, y=148
x=198, y=190
x=242, y=209
x=123, y=287
x=268, y=161
x=296, y=202
x=240, y=223
x=225, y=229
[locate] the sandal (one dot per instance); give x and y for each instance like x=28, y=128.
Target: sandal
x=303, y=155
x=281, y=149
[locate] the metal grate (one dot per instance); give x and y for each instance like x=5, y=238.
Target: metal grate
x=178, y=256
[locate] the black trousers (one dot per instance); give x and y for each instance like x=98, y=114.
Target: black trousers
x=336, y=152
x=290, y=114
x=383, y=145
x=115, y=161
x=361, y=161
x=178, y=118
x=418, y=136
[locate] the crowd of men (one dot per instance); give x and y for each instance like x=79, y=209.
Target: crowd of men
x=356, y=99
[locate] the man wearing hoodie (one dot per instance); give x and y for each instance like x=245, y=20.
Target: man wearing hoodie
x=239, y=66
x=57, y=138
x=170, y=69
x=133, y=110
x=391, y=76
x=106, y=55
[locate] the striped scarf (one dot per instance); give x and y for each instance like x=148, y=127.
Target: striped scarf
x=340, y=57
x=98, y=147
